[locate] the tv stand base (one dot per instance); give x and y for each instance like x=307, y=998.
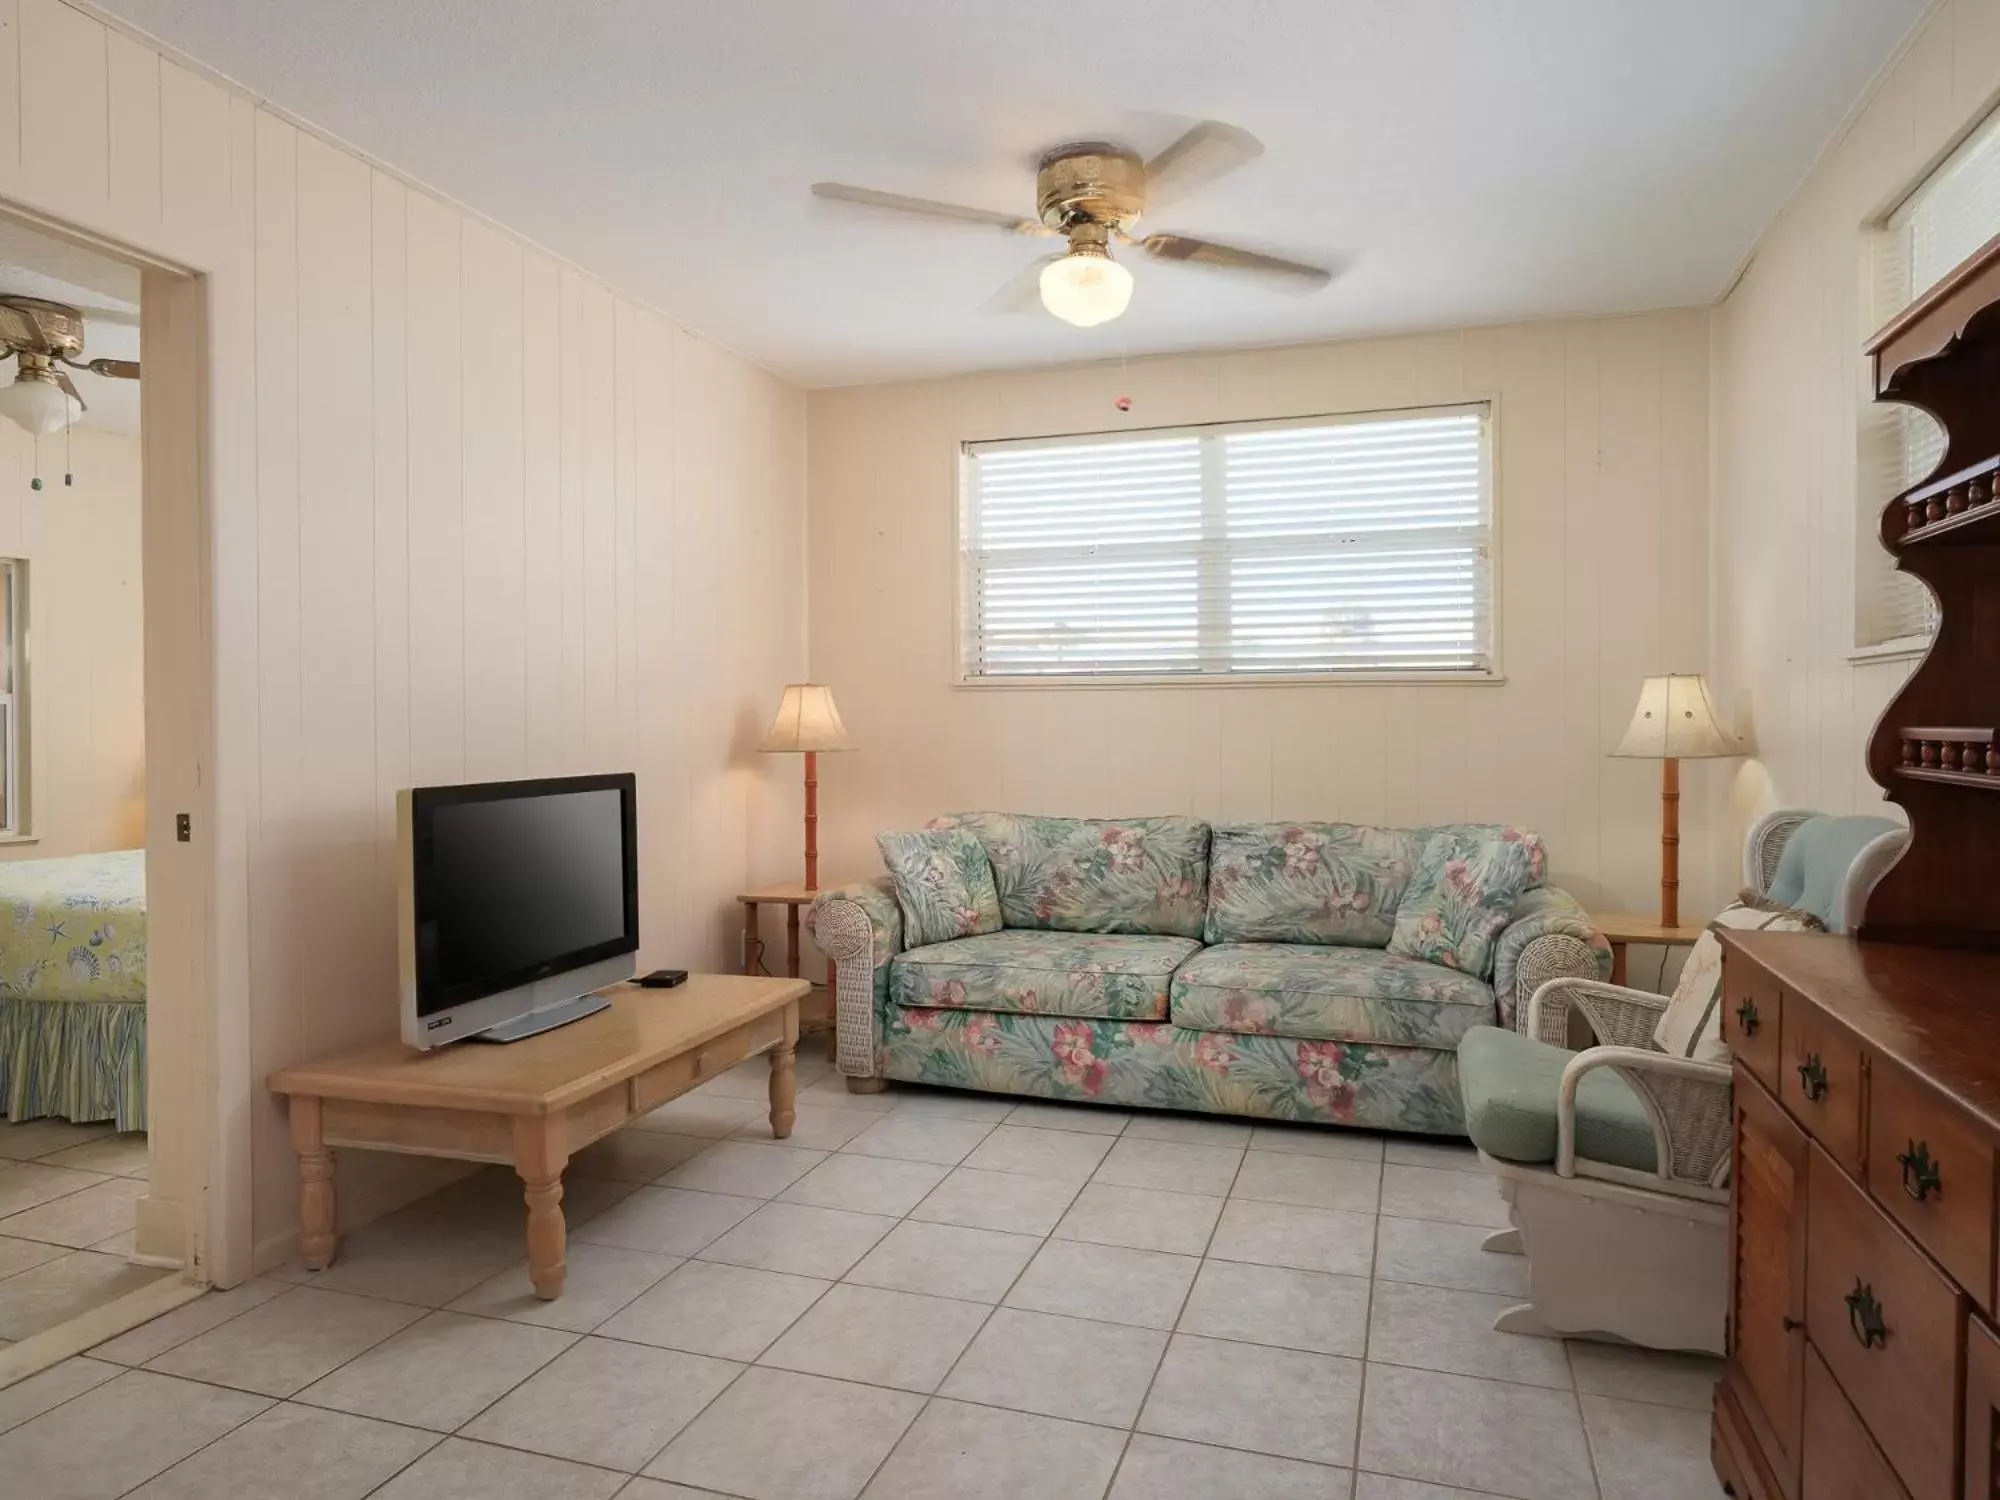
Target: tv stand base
x=535, y=1022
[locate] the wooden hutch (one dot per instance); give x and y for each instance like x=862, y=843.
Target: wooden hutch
x=1863, y=1358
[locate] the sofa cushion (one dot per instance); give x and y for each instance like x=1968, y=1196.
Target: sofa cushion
x=944, y=884
x=1461, y=896
x=1307, y=882
x=1123, y=977
x=1331, y=994
x=1510, y=1083
x=1136, y=875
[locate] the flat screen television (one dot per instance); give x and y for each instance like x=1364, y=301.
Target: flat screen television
x=517, y=900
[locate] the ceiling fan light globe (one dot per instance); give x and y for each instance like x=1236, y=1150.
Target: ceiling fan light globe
x=1086, y=288
x=39, y=406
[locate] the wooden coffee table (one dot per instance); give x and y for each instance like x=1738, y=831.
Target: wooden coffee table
x=533, y=1104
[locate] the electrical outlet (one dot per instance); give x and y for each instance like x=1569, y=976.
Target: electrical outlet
x=183, y=828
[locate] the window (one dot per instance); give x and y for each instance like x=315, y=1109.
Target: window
x=13, y=694
x=1329, y=547
x=1950, y=215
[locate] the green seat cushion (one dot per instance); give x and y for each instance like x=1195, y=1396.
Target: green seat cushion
x=1510, y=1082
x=1116, y=975
x=1328, y=993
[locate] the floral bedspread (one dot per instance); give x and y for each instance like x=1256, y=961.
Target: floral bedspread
x=74, y=928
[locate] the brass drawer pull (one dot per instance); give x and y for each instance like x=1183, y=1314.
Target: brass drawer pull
x=1791, y=1324
x=1864, y=1316
x=1812, y=1077
x=1746, y=1018
x=1920, y=1173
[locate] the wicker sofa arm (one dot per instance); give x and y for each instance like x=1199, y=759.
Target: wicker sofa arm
x=860, y=928
x=1547, y=937
x=1617, y=1017
x=1688, y=1103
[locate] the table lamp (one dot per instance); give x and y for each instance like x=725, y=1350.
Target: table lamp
x=807, y=723
x=1675, y=721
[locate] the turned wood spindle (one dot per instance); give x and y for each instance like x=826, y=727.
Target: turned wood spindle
x=1956, y=501
x=1948, y=755
x=1910, y=752
x=1934, y=508
x=1979, y=492
x=1930, y=754
x=1914, y=521
x=1992, y=759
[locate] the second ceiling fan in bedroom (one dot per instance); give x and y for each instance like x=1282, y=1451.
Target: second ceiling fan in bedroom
x=1092, y=193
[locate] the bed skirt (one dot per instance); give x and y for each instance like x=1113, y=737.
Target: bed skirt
x=80, y=1060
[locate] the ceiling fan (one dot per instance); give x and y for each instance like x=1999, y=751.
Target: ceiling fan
x=45, y=336
x=1091, y=193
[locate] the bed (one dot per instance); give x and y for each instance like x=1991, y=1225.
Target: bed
x=73, y=988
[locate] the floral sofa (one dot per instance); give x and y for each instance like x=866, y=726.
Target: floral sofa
x=1237, y=969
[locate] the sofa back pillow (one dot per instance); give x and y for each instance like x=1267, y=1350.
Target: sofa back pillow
x=1461, y=896
x=1691, y=1025
x=1538, y=854
x=1308, y=883
x=944, y=884
x=1137, y=875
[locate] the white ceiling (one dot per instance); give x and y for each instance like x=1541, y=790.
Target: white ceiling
x=1462, y=161
x=105, y=291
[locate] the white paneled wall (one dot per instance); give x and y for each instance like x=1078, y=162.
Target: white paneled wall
x=1789, y=382
x=471, y=515
x=1602, y=497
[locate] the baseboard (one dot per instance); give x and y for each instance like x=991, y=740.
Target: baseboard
x=89, y=1329
x=159, y=1232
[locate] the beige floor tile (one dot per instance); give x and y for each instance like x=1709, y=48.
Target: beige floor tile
x=867, y=1184
x=918, y=1137
x=600, y=1280
x=27, y=1140
x=1516, y=1440
x=296, y=1452
x=210, y=1310
x=1384, y=1487
x=1452, y=1197
x=1430, y=1328
x=435, y=1250
x=815, y=1127
x=1278, y=1401
x=634, y=1155
x=27, y=1184
x=667, y=1221
x=57, y=1290
x=1445, y=1155
x=604, y=1402
x=1686, y=1380
x=1089, y=1119
x=1058, y=1366
x=951, y=1104
x=115, y=1155
x=283, y=1346
x=1317, y=1140
x=800, y=1240
x=996, y=1200
x=705, y=1307
x=111, y=1439
x=833, y=1093
x=1118, y=1285
x=20, y=1255
x=1141, y=1218
x=1157, y=1468
x=977, y=1453
x=438, y=1373
x=1189, y=1130
x=1661, y=1452
x=703, y=1113
x=1432, y=1253
x=121, y=1245
x=1176, y=1166
x=643, y=1488
x=81, y=1218
x=834, y=1435
x=1275, y=1305
x=1052, y=1155
x=1306, y=1239
x=458, y=1470
x=744, y=1168
x=1308, y=1181
x=946, y=1260
x=50, y=1388
x=879, y=1337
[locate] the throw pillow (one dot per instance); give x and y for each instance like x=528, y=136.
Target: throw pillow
x=1691, y=1025
x=944, y=884
x=1464, y=889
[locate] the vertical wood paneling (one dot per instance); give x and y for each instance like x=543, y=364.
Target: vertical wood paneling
x=65, y=101
x=434, y=364
x=542, y=499
x=10, y=83
x=389, y=476
x=133, y=77
x=194, y=154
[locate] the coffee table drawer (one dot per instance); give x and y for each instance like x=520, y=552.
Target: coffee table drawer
x=1820, y=1081
x=677, y=1075
x=1933, y=1170
x=1889, y=1327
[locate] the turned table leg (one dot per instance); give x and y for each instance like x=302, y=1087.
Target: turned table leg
x=317, y=1207
x=539, y=1159
x=785, y=1077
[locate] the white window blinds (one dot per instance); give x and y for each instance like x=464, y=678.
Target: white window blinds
x=1328, y=547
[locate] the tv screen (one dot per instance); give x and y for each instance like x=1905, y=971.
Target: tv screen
x=516, y=881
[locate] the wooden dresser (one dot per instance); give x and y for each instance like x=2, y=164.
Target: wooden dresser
x=1863, y=1361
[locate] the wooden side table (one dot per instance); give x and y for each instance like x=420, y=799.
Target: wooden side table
x=794, y=896
x=1622, y=927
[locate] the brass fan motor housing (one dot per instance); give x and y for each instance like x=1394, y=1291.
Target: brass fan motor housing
x=35, y=327
x=1090, y=181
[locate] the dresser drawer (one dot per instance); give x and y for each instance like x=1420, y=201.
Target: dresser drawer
x=1820, y=1081
x=1932, y=1168
x=1982, y=1411
x=1889, y=1328
x=1842, y=1461
x=1751, y=1005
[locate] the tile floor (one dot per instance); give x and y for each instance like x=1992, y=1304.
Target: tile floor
x=920, y=1294
x=66, y=1196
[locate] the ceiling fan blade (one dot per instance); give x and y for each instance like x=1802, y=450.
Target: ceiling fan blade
x=1181, y=247
x=115, y=369
x=69, y=389
x=841, y=192
x=1021, y=292
x=1208, y=151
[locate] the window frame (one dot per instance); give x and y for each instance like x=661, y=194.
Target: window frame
x=961, y=593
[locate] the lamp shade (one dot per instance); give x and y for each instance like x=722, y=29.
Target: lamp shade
x=807, y=720
x=1675, y=720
